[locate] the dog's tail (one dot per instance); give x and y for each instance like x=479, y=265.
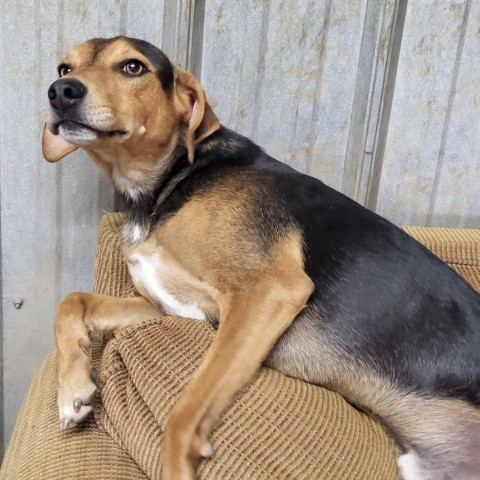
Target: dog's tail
x=441, y=437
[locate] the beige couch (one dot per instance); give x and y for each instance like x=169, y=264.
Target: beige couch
x=279, y=428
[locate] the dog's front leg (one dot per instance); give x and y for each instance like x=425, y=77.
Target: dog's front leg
x=253, y=322
x=78, y=316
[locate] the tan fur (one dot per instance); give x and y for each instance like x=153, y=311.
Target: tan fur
x=251, y=321
x=186, y=286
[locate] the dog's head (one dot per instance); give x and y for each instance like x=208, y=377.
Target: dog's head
x=123, y=94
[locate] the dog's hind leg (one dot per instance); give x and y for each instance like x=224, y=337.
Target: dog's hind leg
x=442, y=438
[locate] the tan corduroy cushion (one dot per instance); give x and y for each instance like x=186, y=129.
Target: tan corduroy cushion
x=278, y=428
x=453, y=245
x=38, y=450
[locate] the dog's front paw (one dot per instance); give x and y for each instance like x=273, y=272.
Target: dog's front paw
x=183, y=448
x=76, y=392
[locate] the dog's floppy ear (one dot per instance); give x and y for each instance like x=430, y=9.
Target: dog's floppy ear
x=54, y=147
x=202, y=121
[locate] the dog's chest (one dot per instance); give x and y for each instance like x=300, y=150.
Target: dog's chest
x=160, y=279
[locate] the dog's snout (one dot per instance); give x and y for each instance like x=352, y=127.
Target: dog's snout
x=66, y=93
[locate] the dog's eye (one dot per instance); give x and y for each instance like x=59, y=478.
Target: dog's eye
x=134, y=67
x=63, y=69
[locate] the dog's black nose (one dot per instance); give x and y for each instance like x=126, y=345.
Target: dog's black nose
x=66, y=93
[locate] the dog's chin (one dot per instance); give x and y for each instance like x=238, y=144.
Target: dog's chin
x=77, y=134
x=82, y=135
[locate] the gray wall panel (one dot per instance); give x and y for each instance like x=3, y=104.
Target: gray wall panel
x=79, y=183
x=377, y=37
x=434, y=121
x=233, y=48
x=456, y=196
x=301, y=78
x=28, y=201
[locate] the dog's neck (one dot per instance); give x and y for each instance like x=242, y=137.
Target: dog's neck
x=136, y=170
x=145, y=190
x=146, y=182
x=142, y=207
x=139, y=175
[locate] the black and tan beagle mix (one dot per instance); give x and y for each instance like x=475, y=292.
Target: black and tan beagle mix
x=293, y=273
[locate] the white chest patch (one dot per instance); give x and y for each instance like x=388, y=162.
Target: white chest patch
x=146, y=275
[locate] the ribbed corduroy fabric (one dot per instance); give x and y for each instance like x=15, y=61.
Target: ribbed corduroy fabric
x=278, y=428
x=38, y=450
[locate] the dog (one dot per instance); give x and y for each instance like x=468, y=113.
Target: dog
x=292, y=273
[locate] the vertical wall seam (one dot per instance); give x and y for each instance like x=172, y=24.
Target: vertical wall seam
x=2, y=396
x=448, y=114
x=178, y=30
x=169, y=29
x=386, y=103
x=59, y=169
x=118, y=200
x=299, y=85
x=261, y=70
x=354, y=154
x=123, y=17
x=371, y=113
x=239, y=86
x=189, y=29
x=197, y=24
x=318, y=83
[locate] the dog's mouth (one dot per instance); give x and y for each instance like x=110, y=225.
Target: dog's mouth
x=79, y=133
